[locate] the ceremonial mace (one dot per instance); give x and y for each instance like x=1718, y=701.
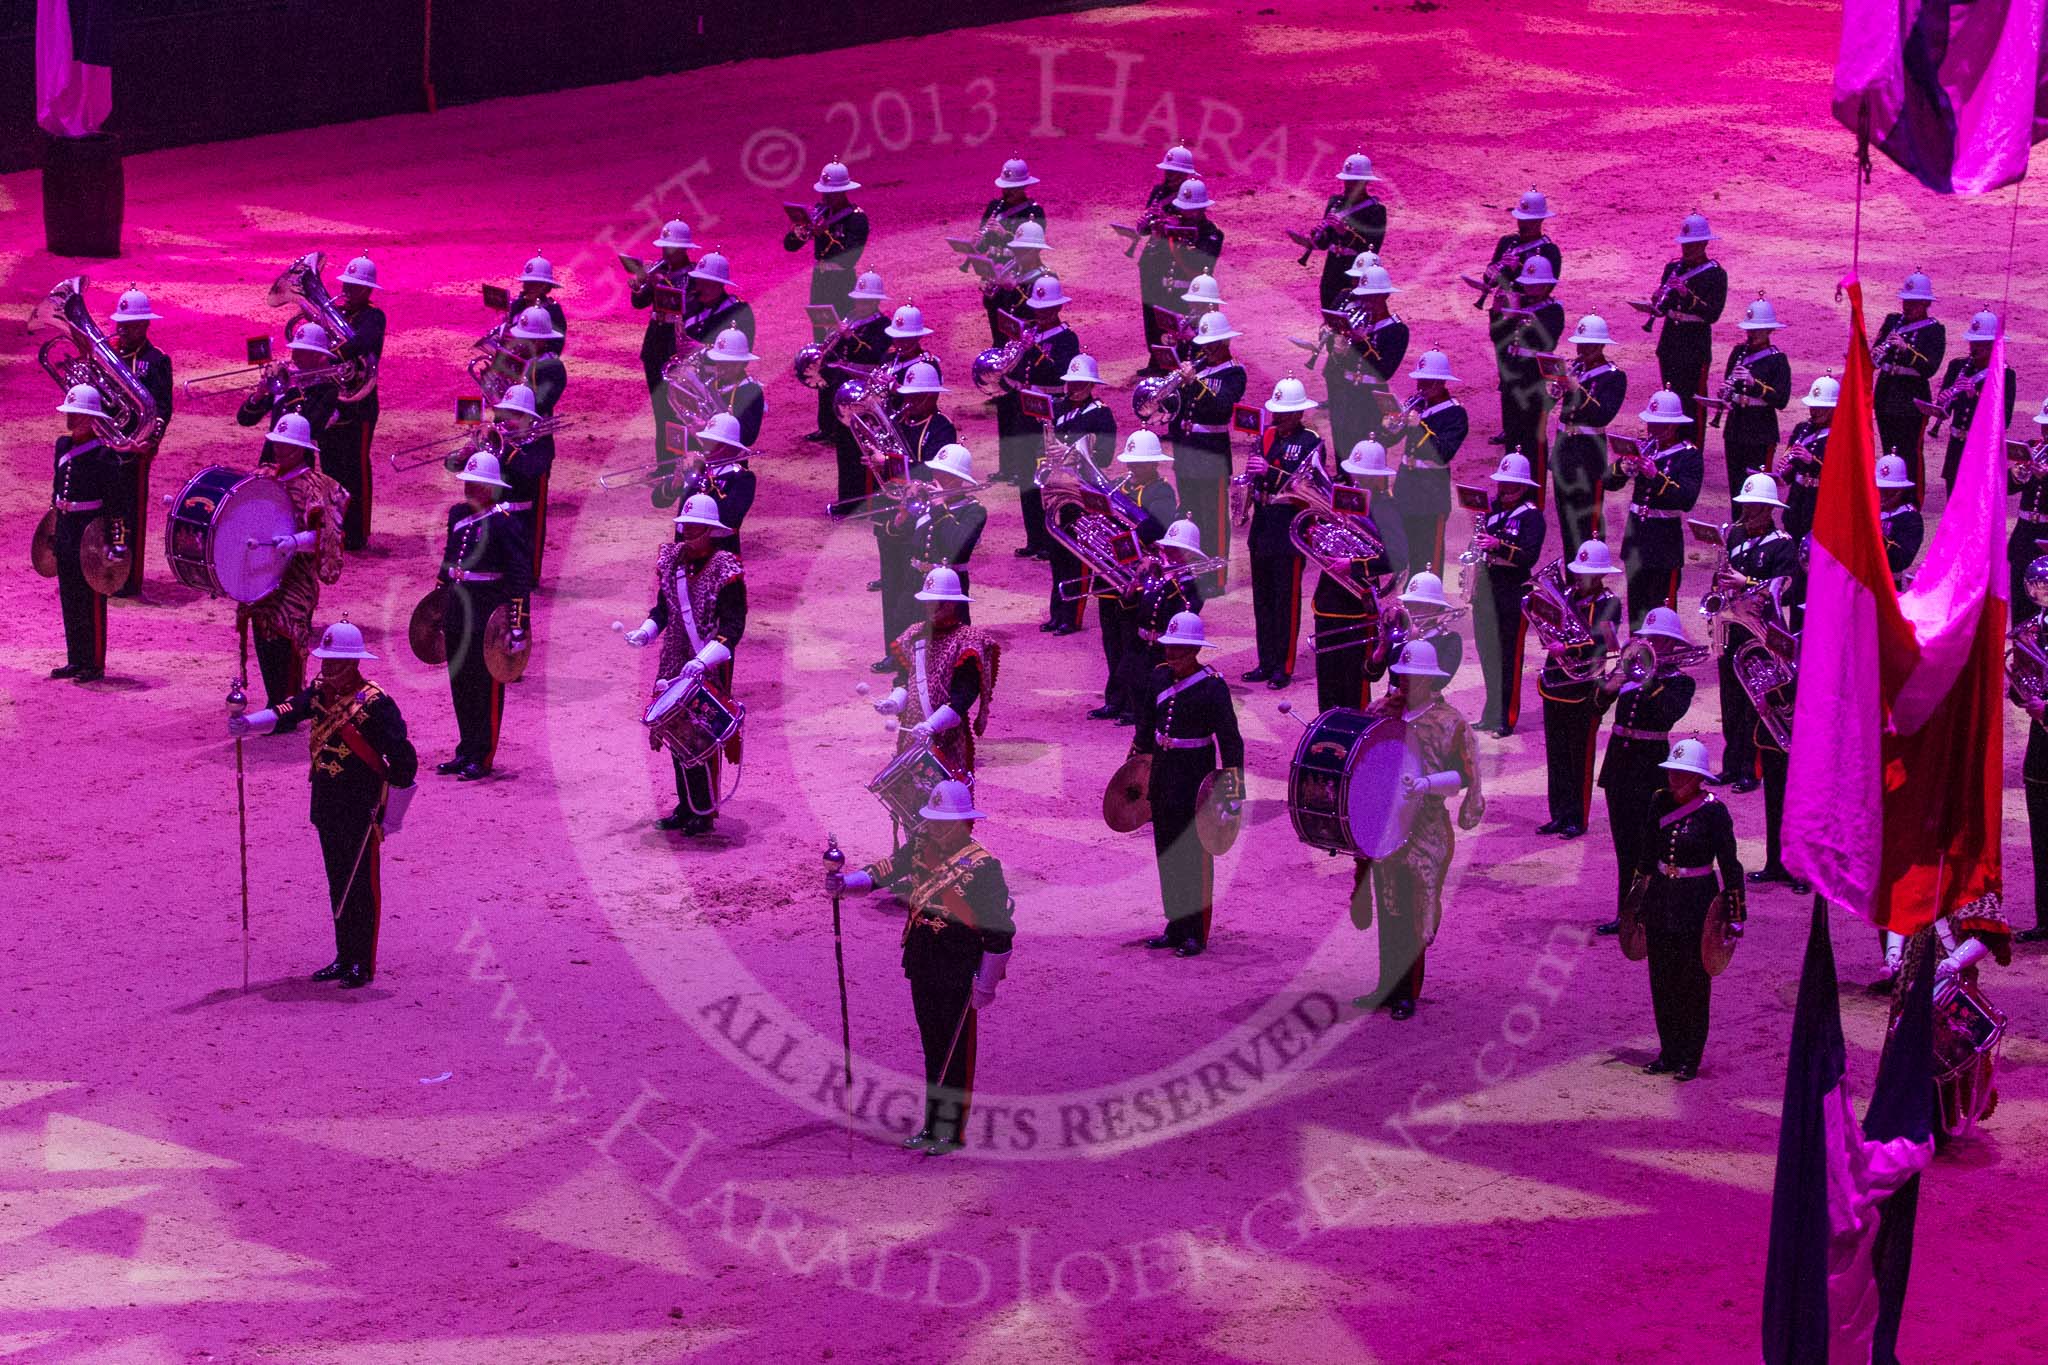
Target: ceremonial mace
x=238, y=702
x=835, y=861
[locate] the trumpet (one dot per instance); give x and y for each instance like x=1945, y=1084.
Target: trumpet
x=1636, y=455
x=808, y=228
x=1317, y=238
x=2028, y=461
x=1399, y=421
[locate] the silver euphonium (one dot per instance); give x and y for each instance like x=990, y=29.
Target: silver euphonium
x=691, y=394
x=995, y=365
x=300, y=283
x=1149, y=396
x=1549, y=607
x=813, y=359
x=874, y=431
x=1090, y=517
x=2026, y=662
x=132, y=421
x=1329, y=538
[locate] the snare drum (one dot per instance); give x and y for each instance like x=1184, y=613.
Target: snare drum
x=691, y=721
x=1967, y=1034
x=1344, y=786
x=906, y=784
x=219, y=532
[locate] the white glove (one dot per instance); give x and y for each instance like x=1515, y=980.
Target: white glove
x=263, y=722
x=994, y=967
x=1948, y=973
x=694, y=668
x=855, y=883
x=395, y=804
x=301, y=543
x=643, y=634
x=1432, y=784
x=712, y=655
x=940, y=721
x=893, y=704
x=1894, y=952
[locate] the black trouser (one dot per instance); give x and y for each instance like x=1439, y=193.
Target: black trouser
x=1744, y=457
x=85, y=611
x=1425, y=536
x=1576, y=469
x=1017, y=436
x=1570, y=730
x=1633, y=779
x=1186, y=873
x=350, y=850
x=345, y=458
x=1201, y=471
x=1276, y=609
x=1031, y=500
x=652, y=359
x=138, y=524
x=1900, y=432
x=1401, y=946
x=1497, y=631
x=1501, y=333
x=941, y=967
x=1648, y=586
x=1340, y=673
x=1109, y=618
x=1066, y=568
x=1952, y=464
x=1675, y=913
x=1140, y=656
x=900, y=583
x=1738, y=715
x=2035, y=773
x=479, y=698
x=1335, y=285
x=1684, y=370
x=853, y=470
x=283, y=666
x=1353, y=413
x=1777, y=767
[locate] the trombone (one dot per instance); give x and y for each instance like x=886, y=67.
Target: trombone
x=453, y=452
x=660, y=471
x=275, y=377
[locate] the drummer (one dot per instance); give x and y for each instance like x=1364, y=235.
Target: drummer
x=700, y=600
x=485, y=564
x=1688, y=835
x=85, y=487
x=1408, y=884
x=283, y=618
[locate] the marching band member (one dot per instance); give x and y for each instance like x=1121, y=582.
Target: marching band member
x=1407, y=886
x=710, y=305
x=956, y=949
x=1667, y=482
x=1511, y=256
x=925, y=431
x=1571, y=705
x=1344, y=671
x=152, y=369
x=1962, y=384
x=1689, y=298
x=1431, y=428
x=658, y=343
x=1430, y=618
x=731, y=482
x=1361, y=364
x=1798, y=472
x=1966, y=1094
x=1144, y=462
x=1639, y=741
x=283, y=619
x=1155, y=271
x=1002, y=222
x=729, y=355
x=362, y=774
x=2029, y=538
x=1535, y=323
x=1757, y=383
x=530, y=339
x=1899, y=518
x=700, y=601
x=945, y=669
x=1508, y=540
x=345, y=444
x=1203, y=296
x=1080, y=419
x=1353, y=221
x=945, y=527
x=1009, y=289
x=1763, y=555
x=1187, y=722
x=838, y=234
x=294, y=387
x=906, y=332
x=1295, y=451
x=1591, y=395
x=1199, y=427
x=2034, y=771
x=1687, y=837
x=485, y=564
x=861, y=340
x=526, y=463
x=537, y=290
x=1194, y=252
x=1166, y=589
x=1054, y=346
x=85, y=485
x=1908, y=350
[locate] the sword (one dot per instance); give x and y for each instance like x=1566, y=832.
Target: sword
x=376, y=818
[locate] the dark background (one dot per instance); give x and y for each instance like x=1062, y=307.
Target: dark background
x=190, y=71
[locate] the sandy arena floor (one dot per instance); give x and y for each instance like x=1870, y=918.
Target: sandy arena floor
x=584, y=1113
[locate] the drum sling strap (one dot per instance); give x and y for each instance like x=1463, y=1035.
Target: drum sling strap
x=686, y=611
x=1688, y=808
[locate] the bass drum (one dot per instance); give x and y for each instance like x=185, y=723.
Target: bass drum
x=1344, y=786
x=218, y=534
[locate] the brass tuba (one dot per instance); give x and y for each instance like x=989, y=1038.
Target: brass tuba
x=300, y=283
x=1091, y=518
x=132, y=421
x=1548, y=606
